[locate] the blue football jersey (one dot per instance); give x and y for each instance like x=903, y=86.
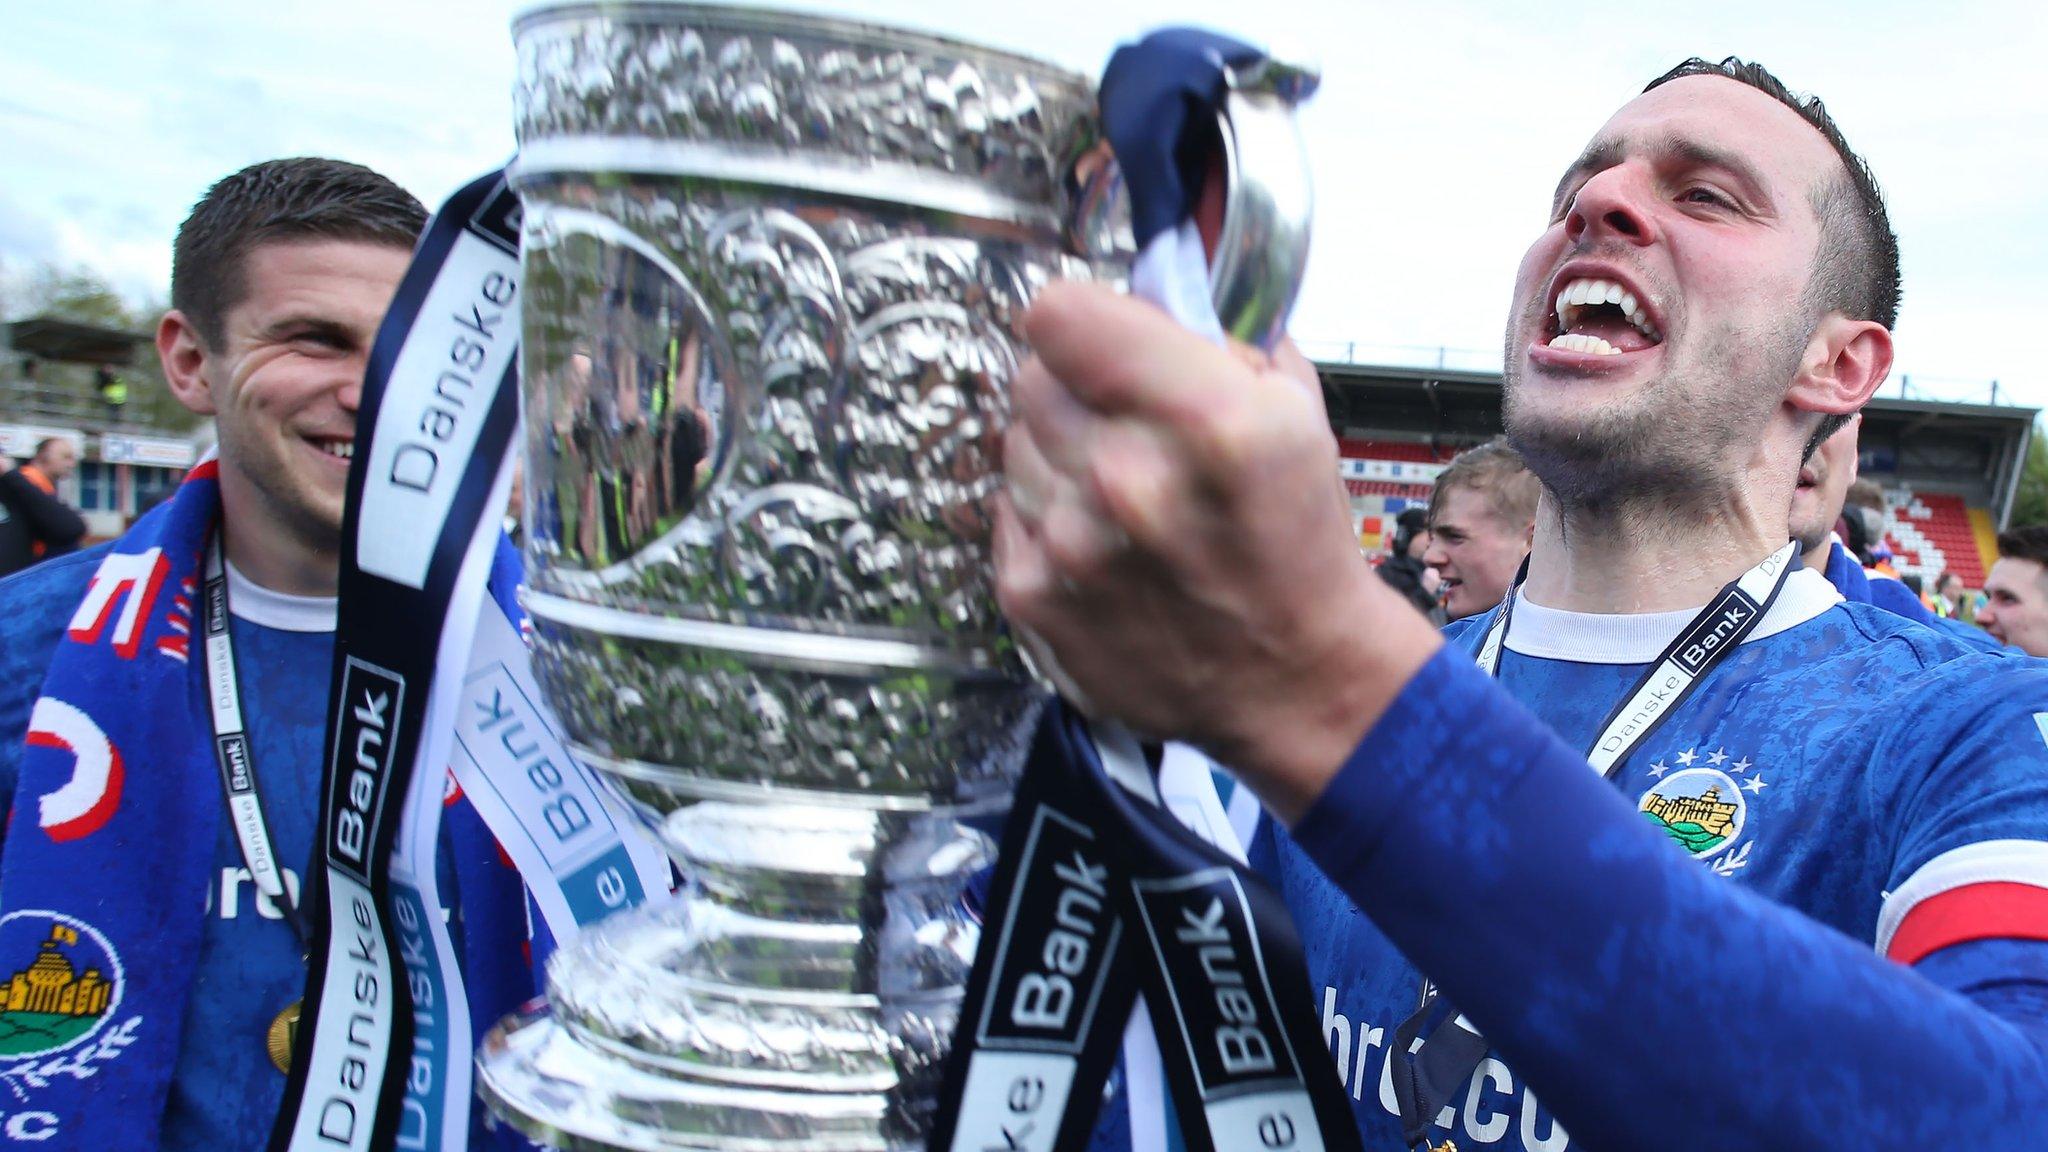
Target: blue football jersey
x=1881, y=779
x=224, y=1091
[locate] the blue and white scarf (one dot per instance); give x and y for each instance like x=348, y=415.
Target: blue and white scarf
x=104, y=879
x=111, y=841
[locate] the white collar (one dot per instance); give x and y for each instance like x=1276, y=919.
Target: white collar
x=280, y=610
x=1600, y=638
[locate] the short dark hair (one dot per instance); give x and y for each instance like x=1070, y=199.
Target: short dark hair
x=1496, y=470
x=1409, y=523
x=44, y=444
x=1856, y=271
x=303, y=198
x=2029, y=542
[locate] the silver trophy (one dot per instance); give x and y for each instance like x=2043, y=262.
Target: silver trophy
x=774, y=268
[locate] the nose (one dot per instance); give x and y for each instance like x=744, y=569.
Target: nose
x=1611, y=202
x=1434, y=554
x=350, y=394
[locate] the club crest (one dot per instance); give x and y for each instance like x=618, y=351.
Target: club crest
x=63, y=981
x=1701, y=808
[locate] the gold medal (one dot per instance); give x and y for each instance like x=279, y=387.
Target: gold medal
x=284, y=1036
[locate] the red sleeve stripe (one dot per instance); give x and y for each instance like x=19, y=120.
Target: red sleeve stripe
x=1999, y=910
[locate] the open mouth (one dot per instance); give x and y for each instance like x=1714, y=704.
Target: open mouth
x=336, y=448
x=1600, y=317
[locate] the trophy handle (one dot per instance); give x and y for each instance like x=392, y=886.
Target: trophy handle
x=1256, y=270
x=1262, y=248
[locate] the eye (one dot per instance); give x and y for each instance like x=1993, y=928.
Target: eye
x=319, y=343
x=1704, y=195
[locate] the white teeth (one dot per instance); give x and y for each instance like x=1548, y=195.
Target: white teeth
x=344, y=449
x=1573, y=342
x=1582, y=293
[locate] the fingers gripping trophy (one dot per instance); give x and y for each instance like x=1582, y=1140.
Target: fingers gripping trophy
x=774, y=270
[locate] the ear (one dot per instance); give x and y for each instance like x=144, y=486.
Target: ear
x=183, y=354
x=1844, y=364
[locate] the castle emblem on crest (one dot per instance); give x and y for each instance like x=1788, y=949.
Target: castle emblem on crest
x=1701, y=808
x=62, y=993
x=1702, y=800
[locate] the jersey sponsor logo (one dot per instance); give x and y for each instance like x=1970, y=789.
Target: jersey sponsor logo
x=226, y=900
x=83, y=804
x=1491, y=1108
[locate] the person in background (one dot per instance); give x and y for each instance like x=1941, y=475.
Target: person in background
x=1482, y=516
x=2015, y=607
x=1821, y=502
x=1918, y=588
x=55, y=459
x=1864, y=509
x=1405, y=571
x=1950, y=597
x=34, y=522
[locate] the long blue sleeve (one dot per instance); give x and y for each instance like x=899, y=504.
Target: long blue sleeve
x=1634, y=988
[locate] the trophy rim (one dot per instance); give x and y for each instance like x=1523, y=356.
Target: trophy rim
x=795, y=22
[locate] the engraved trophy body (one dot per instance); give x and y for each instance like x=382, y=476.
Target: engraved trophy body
x=774, y=266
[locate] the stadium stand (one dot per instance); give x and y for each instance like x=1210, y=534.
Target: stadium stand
x=1382, y=477
x=1394, y=450
x=1930, y=534
x=1948, y=470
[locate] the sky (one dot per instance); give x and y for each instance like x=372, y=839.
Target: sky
x=1436, y=139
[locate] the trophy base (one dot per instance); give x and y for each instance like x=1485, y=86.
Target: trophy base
x=535, y=1075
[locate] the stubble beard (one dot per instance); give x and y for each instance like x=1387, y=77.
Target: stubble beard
x=285, y=496
x=1674, y=447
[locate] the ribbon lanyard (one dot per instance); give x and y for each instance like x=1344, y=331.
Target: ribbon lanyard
x=1100, y=893
x=233, y=755
x=1424, y=1080
x=1699, y=647
x=381, y=1058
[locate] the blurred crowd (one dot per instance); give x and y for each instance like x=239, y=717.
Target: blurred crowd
x=1458, y=555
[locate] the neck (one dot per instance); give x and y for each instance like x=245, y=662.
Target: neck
x=274, y=557
x=292, y=571
x=1633, y=557
x=1817, y=556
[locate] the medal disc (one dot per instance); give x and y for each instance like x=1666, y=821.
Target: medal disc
x=284, y=1036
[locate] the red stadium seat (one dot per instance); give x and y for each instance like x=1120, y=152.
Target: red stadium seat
x=1929, y=533
x=1394, y=450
